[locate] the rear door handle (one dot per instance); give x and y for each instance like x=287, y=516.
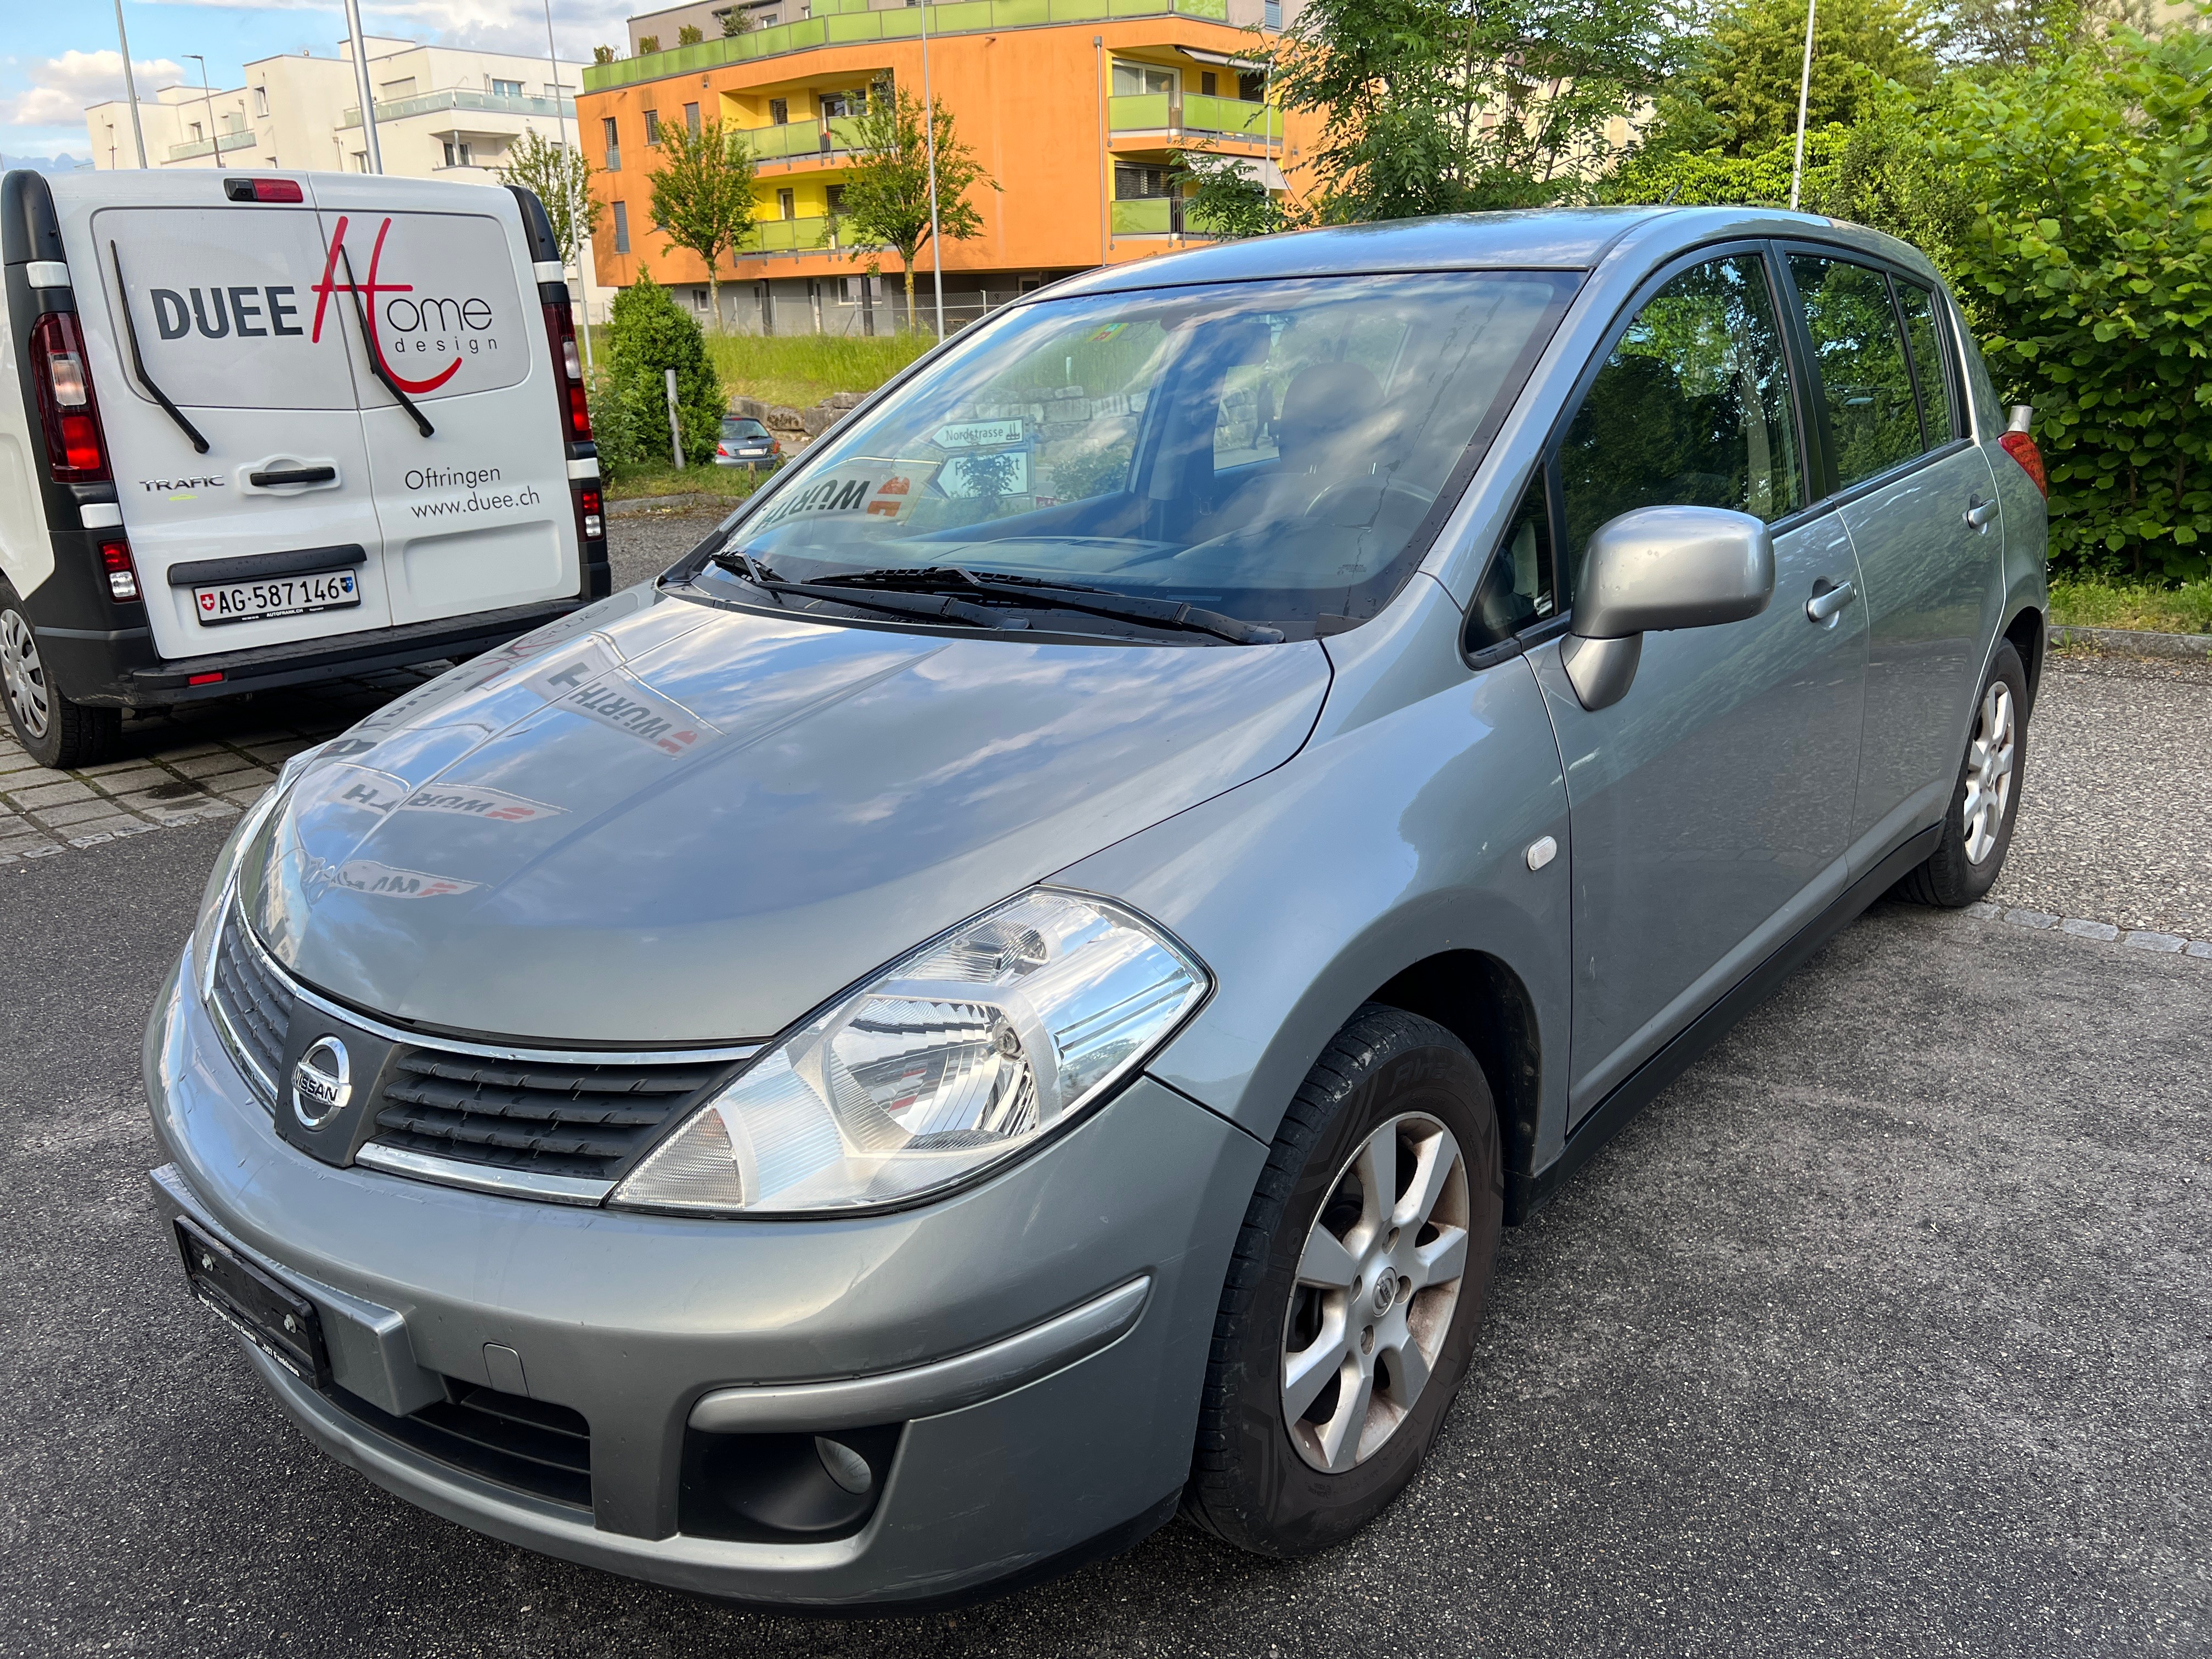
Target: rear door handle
x=1827, y=601
x=292, y=475
x=1979, y=513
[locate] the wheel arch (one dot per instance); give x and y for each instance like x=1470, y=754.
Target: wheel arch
x=2029, y=633
x=1482, y=1001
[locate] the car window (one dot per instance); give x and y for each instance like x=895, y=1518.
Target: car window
x=744, y=426
x=1519, y=589
x=1929, y=366
x=1692, y=408
x=1266, y=450
x=1872, y=416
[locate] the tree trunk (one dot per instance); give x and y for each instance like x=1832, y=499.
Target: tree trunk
x=715, y=296
x=910, y=293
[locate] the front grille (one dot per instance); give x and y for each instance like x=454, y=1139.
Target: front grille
x=531, y=1445
x=252, y=1006
x=580, y=1119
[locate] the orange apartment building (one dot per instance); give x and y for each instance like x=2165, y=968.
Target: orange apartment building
x=1077, y=108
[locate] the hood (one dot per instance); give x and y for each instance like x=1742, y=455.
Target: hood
x=658, y=821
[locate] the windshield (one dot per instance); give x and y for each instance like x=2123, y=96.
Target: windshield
x=1278, y=452
x=744, y=429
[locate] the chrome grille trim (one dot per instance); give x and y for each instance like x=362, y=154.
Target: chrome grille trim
x=482, y=1178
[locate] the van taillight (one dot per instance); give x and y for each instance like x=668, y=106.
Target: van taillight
x=591, y=514
x=575, y=407
x=75, y=451
x=122, y=574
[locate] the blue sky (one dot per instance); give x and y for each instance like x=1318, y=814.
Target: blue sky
x=57, y=55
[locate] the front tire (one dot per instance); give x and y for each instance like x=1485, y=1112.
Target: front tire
x=1977, y=829
x=1353, y=1298
x=53, y=731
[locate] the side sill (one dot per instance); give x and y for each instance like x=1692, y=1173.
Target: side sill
x=1525, y=1195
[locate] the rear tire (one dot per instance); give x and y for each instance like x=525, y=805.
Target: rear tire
x=1978, y=827
x=53, y=731
x=1352, y=1298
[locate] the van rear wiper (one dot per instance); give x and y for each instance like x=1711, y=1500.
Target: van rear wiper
x=138, y=362
x=1041, y=593
x=942, y=605
x=376, y=358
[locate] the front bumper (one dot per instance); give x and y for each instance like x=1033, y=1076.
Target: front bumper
x=1028, y=1446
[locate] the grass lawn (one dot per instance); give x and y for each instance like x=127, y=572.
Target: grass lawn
x=733, y=483
x=2184, y=609
x=802, y=369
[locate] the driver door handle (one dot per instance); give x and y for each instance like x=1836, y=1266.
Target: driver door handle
x=1979, y=513
x=1827, y=601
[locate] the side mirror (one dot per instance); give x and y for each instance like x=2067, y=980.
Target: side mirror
x=1656, y=569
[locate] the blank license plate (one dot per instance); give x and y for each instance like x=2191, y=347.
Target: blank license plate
x=279, y=596
x=274, y=1317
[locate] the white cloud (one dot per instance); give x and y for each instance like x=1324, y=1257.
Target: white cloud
x=61, y=87
x=485, y=24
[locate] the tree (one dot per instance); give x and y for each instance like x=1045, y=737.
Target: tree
x=703, y=196
x=1740, y=97
x=886, y=196
x=736, y=23
x=1454, y=106
x=649, y=334
x=689, y=35
x=561, y=177
x=1223, y=197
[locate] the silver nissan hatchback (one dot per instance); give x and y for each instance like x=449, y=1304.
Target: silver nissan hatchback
x=1011, y=992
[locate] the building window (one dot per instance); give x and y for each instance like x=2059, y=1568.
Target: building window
x=1271, y=14
x=614, y=143
x=1142, y=80
x=779, y=112
x=1136, y=181
x=622, y=226
x=506, y=89
x=786, y=204
x=360, y=161
x=692, y=119
x=1252, y=87
x=261, y=102
x=653, y=128
x=199, y=132
x=1208, y=84
x=457, y=153
x=836, y=195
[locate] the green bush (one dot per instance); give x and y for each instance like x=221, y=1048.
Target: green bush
x=2087, y=267
x=647, y=335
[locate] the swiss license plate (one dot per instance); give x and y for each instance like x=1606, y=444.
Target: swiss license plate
x=271, y=1315
x=279, y=596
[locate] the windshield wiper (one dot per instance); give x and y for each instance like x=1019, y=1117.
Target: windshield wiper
x=138, y=362
x=911, y=603
x=1041, y=593
x=376, y=354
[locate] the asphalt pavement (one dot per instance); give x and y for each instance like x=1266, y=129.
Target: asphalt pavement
x=1885, y=1329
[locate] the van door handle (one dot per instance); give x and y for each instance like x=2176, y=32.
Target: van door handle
x=1827, y=600
x=292, y=475
x=1979, y=513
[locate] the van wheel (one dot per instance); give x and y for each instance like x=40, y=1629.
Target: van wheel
x=53, y=731
x=1352, y=1298
x=1978, y=829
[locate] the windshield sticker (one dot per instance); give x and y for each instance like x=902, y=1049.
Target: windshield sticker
x=1105, y=333
x=868, y=489
x=978, y=434
x=592, y=683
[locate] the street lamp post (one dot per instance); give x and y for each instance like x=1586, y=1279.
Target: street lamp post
x=929, y=134
x=129, y=84
x=215, y=142
x=374, y=154
x=571, y=185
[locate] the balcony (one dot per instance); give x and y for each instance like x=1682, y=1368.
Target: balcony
x=799, y=141
x=1195, y=115
x=221, y=143
x=458, y=98
x=1157, y=216
x=844, y=22
x=788, y=236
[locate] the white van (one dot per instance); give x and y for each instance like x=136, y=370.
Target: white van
x=276, y=428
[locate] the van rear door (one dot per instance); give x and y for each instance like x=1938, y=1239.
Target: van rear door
x=476, y=515
x=269, y=535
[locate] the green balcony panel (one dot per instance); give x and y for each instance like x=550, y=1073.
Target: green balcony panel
x=1231, y=116
x=1142, y=218
x=854, y=26
x=1139, y=112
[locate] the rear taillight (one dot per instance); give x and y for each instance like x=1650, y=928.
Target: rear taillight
x=75, y=453
x=591, y=513
x=2022, y=447
x=122, y=574
x=575, y=407
x=261, y=190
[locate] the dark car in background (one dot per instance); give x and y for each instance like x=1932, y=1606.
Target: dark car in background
x=746, y=442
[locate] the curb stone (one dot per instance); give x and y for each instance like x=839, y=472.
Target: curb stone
x=2139, y=642
x=2104, y=932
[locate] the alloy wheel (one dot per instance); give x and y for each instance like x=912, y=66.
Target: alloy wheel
x=23, y=675
x=1989, y=771
x=1376, y=1283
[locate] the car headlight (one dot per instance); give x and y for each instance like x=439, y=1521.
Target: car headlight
x=224, y=876
x=959, y=1055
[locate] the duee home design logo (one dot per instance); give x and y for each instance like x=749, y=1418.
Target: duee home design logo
x=404, y=326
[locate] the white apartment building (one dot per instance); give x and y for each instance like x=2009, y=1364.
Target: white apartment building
x=441, y=112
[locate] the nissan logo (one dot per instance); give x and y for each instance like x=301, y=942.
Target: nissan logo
x=321, y=1083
